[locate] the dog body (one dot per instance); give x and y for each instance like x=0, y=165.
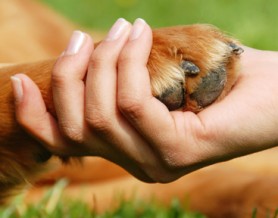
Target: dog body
x=173, y=53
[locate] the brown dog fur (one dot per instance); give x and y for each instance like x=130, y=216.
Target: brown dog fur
x=226, y=190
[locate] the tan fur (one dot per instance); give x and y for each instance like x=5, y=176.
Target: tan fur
x=229, y=189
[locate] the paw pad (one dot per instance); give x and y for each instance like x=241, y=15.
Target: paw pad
x=210, y=87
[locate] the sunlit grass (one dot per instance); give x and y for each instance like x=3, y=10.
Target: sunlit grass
x=54, y=205
x=268, y=215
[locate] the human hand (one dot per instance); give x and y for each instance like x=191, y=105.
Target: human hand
x=84, y=88
x=243, y=122
x=121, y=120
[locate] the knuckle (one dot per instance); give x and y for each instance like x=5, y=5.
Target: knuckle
x=98, y=122
x=130, y=107
x=97, y=60
x=72, y=133
x=172, y=161
x=59, y=79
x=125, y=57
x=170, y=165
x=101, y=56
x=59, y=70
x=169, y=169
x=162, y=175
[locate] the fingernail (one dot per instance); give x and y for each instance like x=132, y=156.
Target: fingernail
x=117, y=29
x=17, y=88
x=137, y=29
x=76, y=42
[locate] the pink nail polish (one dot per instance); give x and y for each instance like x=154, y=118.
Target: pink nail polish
x=138, y=28
x=117, y=29
x=17, y=88
x=75, y=44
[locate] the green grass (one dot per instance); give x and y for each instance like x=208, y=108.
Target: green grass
x=254, y=22
x=268, y=215
x=54, y=205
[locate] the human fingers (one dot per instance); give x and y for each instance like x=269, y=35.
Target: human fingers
x=37, y=120
x=68, y=85
x=102, y=115
x=32, y=115
x=102, y=76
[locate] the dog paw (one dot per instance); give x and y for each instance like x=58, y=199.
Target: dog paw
x=192, y=66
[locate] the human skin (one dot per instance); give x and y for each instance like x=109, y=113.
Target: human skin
x=115, y=116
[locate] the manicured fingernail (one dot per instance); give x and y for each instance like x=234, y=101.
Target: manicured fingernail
x=17, y=88
x=137, y=29
x=76, y=42
x=117, y=29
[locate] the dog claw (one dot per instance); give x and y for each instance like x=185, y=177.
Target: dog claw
x=189, y=68
x=235, y=48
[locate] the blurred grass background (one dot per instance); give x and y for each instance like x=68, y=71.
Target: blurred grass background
x=55, y=205
x=253, y=22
